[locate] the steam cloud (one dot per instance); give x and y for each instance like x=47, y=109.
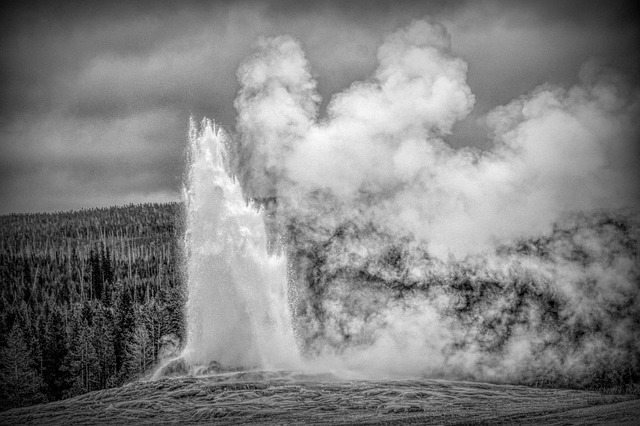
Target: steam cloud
x=456, y=261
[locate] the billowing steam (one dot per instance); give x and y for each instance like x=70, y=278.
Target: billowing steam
x=556, y=151
x=412, y=257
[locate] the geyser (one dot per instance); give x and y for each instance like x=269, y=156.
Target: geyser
x=237, y=309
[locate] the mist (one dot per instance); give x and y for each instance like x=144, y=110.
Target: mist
x=412, y=256
x=554, y=150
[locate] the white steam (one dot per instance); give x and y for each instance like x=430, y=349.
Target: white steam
x=555, y=150
x=412, y=257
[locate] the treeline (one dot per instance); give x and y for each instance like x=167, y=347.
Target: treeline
x=88, y=299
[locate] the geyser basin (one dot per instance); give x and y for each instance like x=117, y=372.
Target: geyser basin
x=264, y=399
x=237, y=309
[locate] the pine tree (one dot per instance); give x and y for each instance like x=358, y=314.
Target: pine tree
x=139, y=352
x=125, y=326
x=55, y=375
x=31, y=331
x=96, y=275
x=106, y=274
x=104, y=344
x=81, y=357
x=172, y=300
x=20, y=383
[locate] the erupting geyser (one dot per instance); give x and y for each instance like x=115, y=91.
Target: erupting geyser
x=237, y=310
x=413, y=258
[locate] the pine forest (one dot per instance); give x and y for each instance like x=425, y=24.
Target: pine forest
x=89, y=299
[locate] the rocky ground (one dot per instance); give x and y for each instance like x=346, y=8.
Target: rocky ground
x=286, y=398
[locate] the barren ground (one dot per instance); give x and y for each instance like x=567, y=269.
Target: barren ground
x=278, y=398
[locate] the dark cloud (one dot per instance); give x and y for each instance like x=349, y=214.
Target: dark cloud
x=91, y=87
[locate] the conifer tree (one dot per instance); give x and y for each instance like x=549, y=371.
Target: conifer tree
x=104, y=344
x=139, y=352
x=81, y=357
x=96, y=275
x=106, y=275
x=20, y=383
x=125, y=326
x=56, y=377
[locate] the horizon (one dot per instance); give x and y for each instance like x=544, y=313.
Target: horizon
x=82, y=209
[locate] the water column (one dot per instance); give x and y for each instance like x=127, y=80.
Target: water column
x=237, y=308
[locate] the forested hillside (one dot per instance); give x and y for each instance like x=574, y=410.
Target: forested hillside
x=88, y=299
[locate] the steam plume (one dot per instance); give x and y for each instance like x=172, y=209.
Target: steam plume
x=406, y=248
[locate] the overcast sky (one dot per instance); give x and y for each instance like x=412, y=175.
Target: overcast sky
x=95, y=98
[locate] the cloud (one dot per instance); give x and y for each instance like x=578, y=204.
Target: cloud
x=51, y=161
x=96, y=61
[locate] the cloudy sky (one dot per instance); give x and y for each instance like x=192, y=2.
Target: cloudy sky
x=95, y=99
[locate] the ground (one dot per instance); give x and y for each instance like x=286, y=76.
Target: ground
x=288, y=398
